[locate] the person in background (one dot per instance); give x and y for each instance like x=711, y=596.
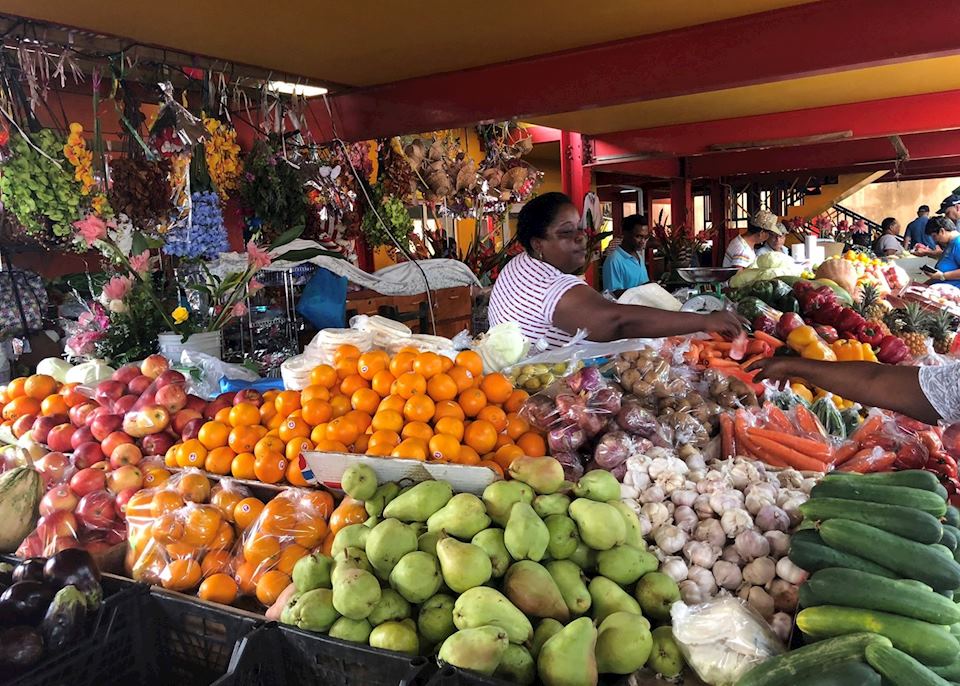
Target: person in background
x=741, y=252
x=775, y=243
x=538, y=288
x=889, y=241
x=950, y=209
x=947, y=238
x=915, y=235
x=624, y=268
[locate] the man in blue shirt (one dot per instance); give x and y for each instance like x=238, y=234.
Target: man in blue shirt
x=624, y=268
x=947, y=238
x=915, y=235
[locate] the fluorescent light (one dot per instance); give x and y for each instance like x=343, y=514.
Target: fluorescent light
x=296, y=88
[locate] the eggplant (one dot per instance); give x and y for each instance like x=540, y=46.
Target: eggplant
x=63, y=623
x=8, y=614
x=20, y=647
x=30, y=569
x=30, y=600
x=75, y=567
x=6, y=574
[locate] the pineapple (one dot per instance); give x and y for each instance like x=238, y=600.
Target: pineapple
x=910, y=323
x=942, y=328
x=873, y=307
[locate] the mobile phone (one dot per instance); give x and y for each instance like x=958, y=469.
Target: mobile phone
x=927, y=269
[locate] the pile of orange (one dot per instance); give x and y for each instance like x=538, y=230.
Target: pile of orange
x=413, y=405
x=36, y=396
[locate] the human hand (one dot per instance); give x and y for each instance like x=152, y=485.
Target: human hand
x=774, y=368
x=723, y=322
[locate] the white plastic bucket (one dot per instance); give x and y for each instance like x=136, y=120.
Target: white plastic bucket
x=207, y=342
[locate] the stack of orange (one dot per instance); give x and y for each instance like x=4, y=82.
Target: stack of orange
x=26, y=398
x=414, y=405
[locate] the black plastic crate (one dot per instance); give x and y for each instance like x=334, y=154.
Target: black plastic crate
x=276, y=655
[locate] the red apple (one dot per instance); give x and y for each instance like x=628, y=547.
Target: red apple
x=115, y=438
x=32, y=546
x=125, y=404
x=105, y=424
x=123, y=478
x=109, y=391
x=113, y=536
x=196, y=403
x=54, y=467
x=126, y=374
x=81, y=435
x=59, y=523
x=172, y=397
x=151, y=419
x=154, y=366
x=157, y=444
x=60, y=497
x=139, y=385
x=78, y=413
x=123, y=497
x=87, y=481
x=181, y=418
x=170, y=376
x=42, y=426
x=248, y=395
x=59, y=438
x=102, y=466
x=192, y=429
x=97, y=510
x=87, y=454
x=23, y=424
x=125, y=453
x=215, y=406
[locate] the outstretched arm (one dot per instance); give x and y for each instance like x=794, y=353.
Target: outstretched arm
x=879, y=385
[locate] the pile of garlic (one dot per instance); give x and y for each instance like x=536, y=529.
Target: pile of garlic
x=722, y=527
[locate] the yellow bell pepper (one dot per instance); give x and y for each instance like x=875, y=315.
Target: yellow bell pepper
x=801, y=337
x=802, y=391
x=818, y=350
x=868, y=354
x=847, y=351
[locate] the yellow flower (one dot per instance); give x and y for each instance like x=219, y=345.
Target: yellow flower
x=180, y=315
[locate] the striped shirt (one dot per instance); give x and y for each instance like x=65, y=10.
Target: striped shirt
x=527, y=292
x=739, y=253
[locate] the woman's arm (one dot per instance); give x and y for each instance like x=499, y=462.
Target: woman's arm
x=582, y=307
x=879, y=385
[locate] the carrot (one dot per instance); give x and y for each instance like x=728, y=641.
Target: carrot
x=722, y=362
x=768, y=339
x=756, y=347
x=726, y=436
x=808, y=422
x=776, y=419
x=744, y=443
x=750, y=360
x=845, y=452
x=865, y=461
x=871, y=425
x=792, y=457
x=807, y=446
x=717, y=337
x=722, y=346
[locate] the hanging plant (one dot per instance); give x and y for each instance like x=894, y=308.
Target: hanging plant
x=205, y=237
x=272, y=191
x=396, y=220
x=141, y=190
x=223, y=156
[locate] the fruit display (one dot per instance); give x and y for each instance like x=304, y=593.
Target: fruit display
x=526, y=583
x=45, y=604
x=534, y=377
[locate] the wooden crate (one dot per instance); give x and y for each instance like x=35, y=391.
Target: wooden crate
x=452, y=309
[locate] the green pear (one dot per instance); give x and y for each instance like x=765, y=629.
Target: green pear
x=463, y=565
x=359, y=481
x=372, y=521
x=480, y=649
x=567, y=658
x=599, y=485
x=585, y=558
x=491, y=540
x=428, y=541
x=312, y=571
x=482, y=606
x=383, y=495
x=397, y=636
x=632, y=522
x=625, y=564
x=545, y=629
x=665, y=658
x=526, y=536
x=564, y=537
x=435, y=620
x=355, y=593
x=349, y=558
x=601, y=526
x=421, y=501
x=656, y=593
x=463, y=517
x=500, y=496
x=353, y=536
x=290, y=612
x=416, y=576
x=624, y=643
x=606, y=597
x=543, y=474
x=517, y=666
x=315, y=610
x=554, y=504
x=387, y=543
x=572, y=584
x=353, y=630
x=530, y=587
x=392, y=607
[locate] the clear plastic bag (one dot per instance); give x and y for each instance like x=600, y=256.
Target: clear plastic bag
x=93, y=523
x=210, y=370
x=722, y=639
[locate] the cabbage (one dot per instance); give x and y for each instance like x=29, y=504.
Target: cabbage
x=744, y=277
x=779, y=261
x=89, y=373
x=55, y=367
x=502, y=346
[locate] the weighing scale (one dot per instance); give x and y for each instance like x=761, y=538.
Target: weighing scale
x=707, y=281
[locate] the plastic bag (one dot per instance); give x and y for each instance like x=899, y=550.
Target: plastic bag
x=154, y=411
x=722, y=639
x=93, y=522
x=211, y=370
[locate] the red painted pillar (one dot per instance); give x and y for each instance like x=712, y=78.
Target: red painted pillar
x=681, y=201
x=719, y=218
x=575, y=178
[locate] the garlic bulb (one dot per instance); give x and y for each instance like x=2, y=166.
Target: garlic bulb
x=710, y=531
x=772, y=518
x=657, y=513
x=761, y=601
x=789, y=478
x=683, y=496
x=704, y=579
x=667, y=466
x=721, y=501
x=763, y=488
x=653, y=493
x=701, y=554
x=792, y=508
x=782, y=625
x=670, y=506
x=788, y=571
x=713, y=481
x=742, y=473
x=731, y=555
x=760, y=572
x=754, y=502
x=702, y=506
x=685, y=518
x=696, y=463
x=628, y=492
x=670, y=482
x=697, y=475
x=646, y=526
x=750, y=545
x=690, y=593
x=779, y=542
x=675, y=568
x=808, y=485
x=670, y=539
x=734, y=521
x=727, y=575
x=784, y=595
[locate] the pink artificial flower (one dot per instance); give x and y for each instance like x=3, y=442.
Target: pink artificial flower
x=85, y=318
x=140, y=262
x=91, y=229
x=253, y=286
x=239, y=310
x=258, y=257
x=117, y=288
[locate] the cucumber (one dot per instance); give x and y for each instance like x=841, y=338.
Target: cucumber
x=852, y=588
x=951, y=671
x=812, y=557
x=916, y=584
x=905, y=557
x=954, y=530
x=818, y=658
x=910, y=478
x=806, y=597
x=948, y=540
x=929, y=643
x=904, y=521
x=891, y=495
x=953, y=516
x=900, y=668
x=846, y=674
x=942, y=492
x=944, y=551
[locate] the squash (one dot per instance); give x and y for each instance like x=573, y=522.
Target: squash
x=841, y=272
x=20, y=491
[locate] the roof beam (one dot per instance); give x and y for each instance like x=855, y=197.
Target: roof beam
x=758, y=48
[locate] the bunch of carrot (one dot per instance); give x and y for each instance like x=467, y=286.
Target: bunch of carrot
x=715, y=353
x=770, y=436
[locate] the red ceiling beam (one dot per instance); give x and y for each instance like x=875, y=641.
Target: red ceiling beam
x=804, y=40
x=871, y=119
x=543, y=134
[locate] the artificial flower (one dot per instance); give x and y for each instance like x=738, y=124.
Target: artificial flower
x=180, y=315
x=239, y=310
x=90, y=229
x=140, y=263
x=253, y=286
x=116, y=288
x=206, y=236
x=258, y=257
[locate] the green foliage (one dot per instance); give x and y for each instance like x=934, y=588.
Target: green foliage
x=132, y=335
x=273, y=190
x=395, y=218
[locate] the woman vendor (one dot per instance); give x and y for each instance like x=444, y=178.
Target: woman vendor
x=538, y=289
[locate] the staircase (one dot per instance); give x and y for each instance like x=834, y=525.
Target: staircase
x=813, y=205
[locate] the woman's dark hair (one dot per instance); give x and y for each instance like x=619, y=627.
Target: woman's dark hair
x=536, y=216
x=937, y=224
x=887, y=223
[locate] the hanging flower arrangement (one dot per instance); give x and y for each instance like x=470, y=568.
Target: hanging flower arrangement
x=77, y=154
x=141, y=191
x=205, y=237
x=395, y=220
x=223, y=156
x=272, y=191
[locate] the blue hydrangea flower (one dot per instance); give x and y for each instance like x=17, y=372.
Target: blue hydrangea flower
x=206, y=236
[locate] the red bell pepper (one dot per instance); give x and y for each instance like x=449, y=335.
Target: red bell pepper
x=849, y=320
x=828, y=314
x=869, y=333
x=827, y=333
x=892, y=350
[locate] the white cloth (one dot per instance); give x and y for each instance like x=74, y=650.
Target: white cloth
x=739, y=253
x=941, y=386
